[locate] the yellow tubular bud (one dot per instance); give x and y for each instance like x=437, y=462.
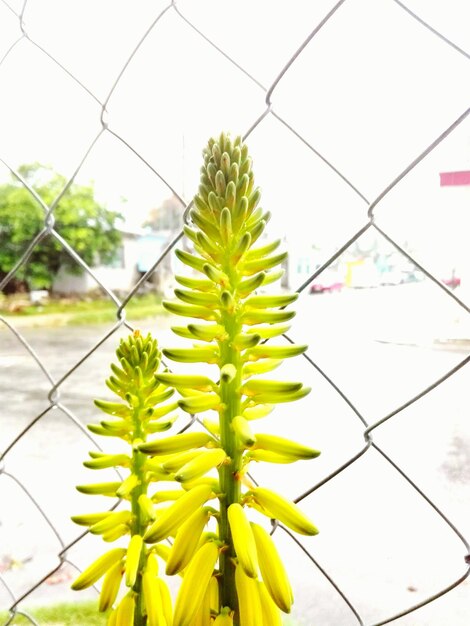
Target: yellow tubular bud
x=205, y=225
x=98, y=568
x=288, y=513
x=228, y=373
x=207, y=332
x=254, y=316
x=249, y=604
x=153, y=600
x=113, y=408
x=269, y=610
x=213, y=590
x=190, y=260
x=285, y=447
x=146, y=508
x=226, y=225
x=108, y=460
x=126, y=611
x=127, y=486
x=249, y=285
x=176, y=443
x=257, y=412
x=265, y=456
x=167, y=494
x=115, y=533
x=201, y=383
x=272, y=569
x=198, y=404
x=110, y=588
x=99, y=489
x=200, y=465
x=162, y=550
x=243, y=540
x=194, y=585
x=259, y=253
x=160, y=426
x=166, y=602
x=272, y=277
x=258, y=265
x=260, y=367
x=182, y=331
x=161, y=411
x=266, y=332
x=212, y=482
x=204, y=354
x=273, y=397
x=151, y=564
x=256, y=386
x=112, y=618
x=97, y=429
x=176, y=461
x=215, y=275
x=195, y=283
x=212, y=425
x=209, y=300
x=266, y=351
x=88, y=519
x=134, y=552
x=186, y=541
x=270, y=301
x=203, y=614
x=241, y=428
x=172, y=518
x=190, y=310
x=158, y=397
x=110, y=521
x=246, y=340
x=117, y=429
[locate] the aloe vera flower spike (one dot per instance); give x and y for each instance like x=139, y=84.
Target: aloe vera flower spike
x=231, y=321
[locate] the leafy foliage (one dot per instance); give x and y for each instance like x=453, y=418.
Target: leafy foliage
x=86, y=225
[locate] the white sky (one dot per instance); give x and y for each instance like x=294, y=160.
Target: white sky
x=370, y=92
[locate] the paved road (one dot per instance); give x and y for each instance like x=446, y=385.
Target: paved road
x=384, y=546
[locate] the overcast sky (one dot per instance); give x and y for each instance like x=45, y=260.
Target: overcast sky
x=369, y=92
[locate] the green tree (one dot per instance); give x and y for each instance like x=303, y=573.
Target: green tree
x=88, y=227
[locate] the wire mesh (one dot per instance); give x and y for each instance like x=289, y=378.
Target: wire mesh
x=267, y=95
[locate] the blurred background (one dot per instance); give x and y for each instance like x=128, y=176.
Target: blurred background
x=356, y=114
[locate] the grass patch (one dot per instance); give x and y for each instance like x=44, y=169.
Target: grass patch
x=73, y=614
x=68, y=312
x=66, y=614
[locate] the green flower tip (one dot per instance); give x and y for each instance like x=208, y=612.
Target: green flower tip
x=226, y=192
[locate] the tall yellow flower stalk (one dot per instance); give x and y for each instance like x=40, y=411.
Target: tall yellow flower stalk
x=233, y=575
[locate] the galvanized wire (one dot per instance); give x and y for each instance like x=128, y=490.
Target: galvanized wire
x=268, y=92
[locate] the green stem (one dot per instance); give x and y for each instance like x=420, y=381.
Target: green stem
x=229, y=473
x=138, y=526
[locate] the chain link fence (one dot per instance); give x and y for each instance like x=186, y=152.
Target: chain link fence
x=262, y=110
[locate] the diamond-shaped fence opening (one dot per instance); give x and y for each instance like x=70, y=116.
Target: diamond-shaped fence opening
x=351, y=110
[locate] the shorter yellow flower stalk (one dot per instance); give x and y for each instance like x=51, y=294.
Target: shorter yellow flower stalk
x=142, y=410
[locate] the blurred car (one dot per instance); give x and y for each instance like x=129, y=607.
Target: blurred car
x=329, y=281
x=451, y=281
